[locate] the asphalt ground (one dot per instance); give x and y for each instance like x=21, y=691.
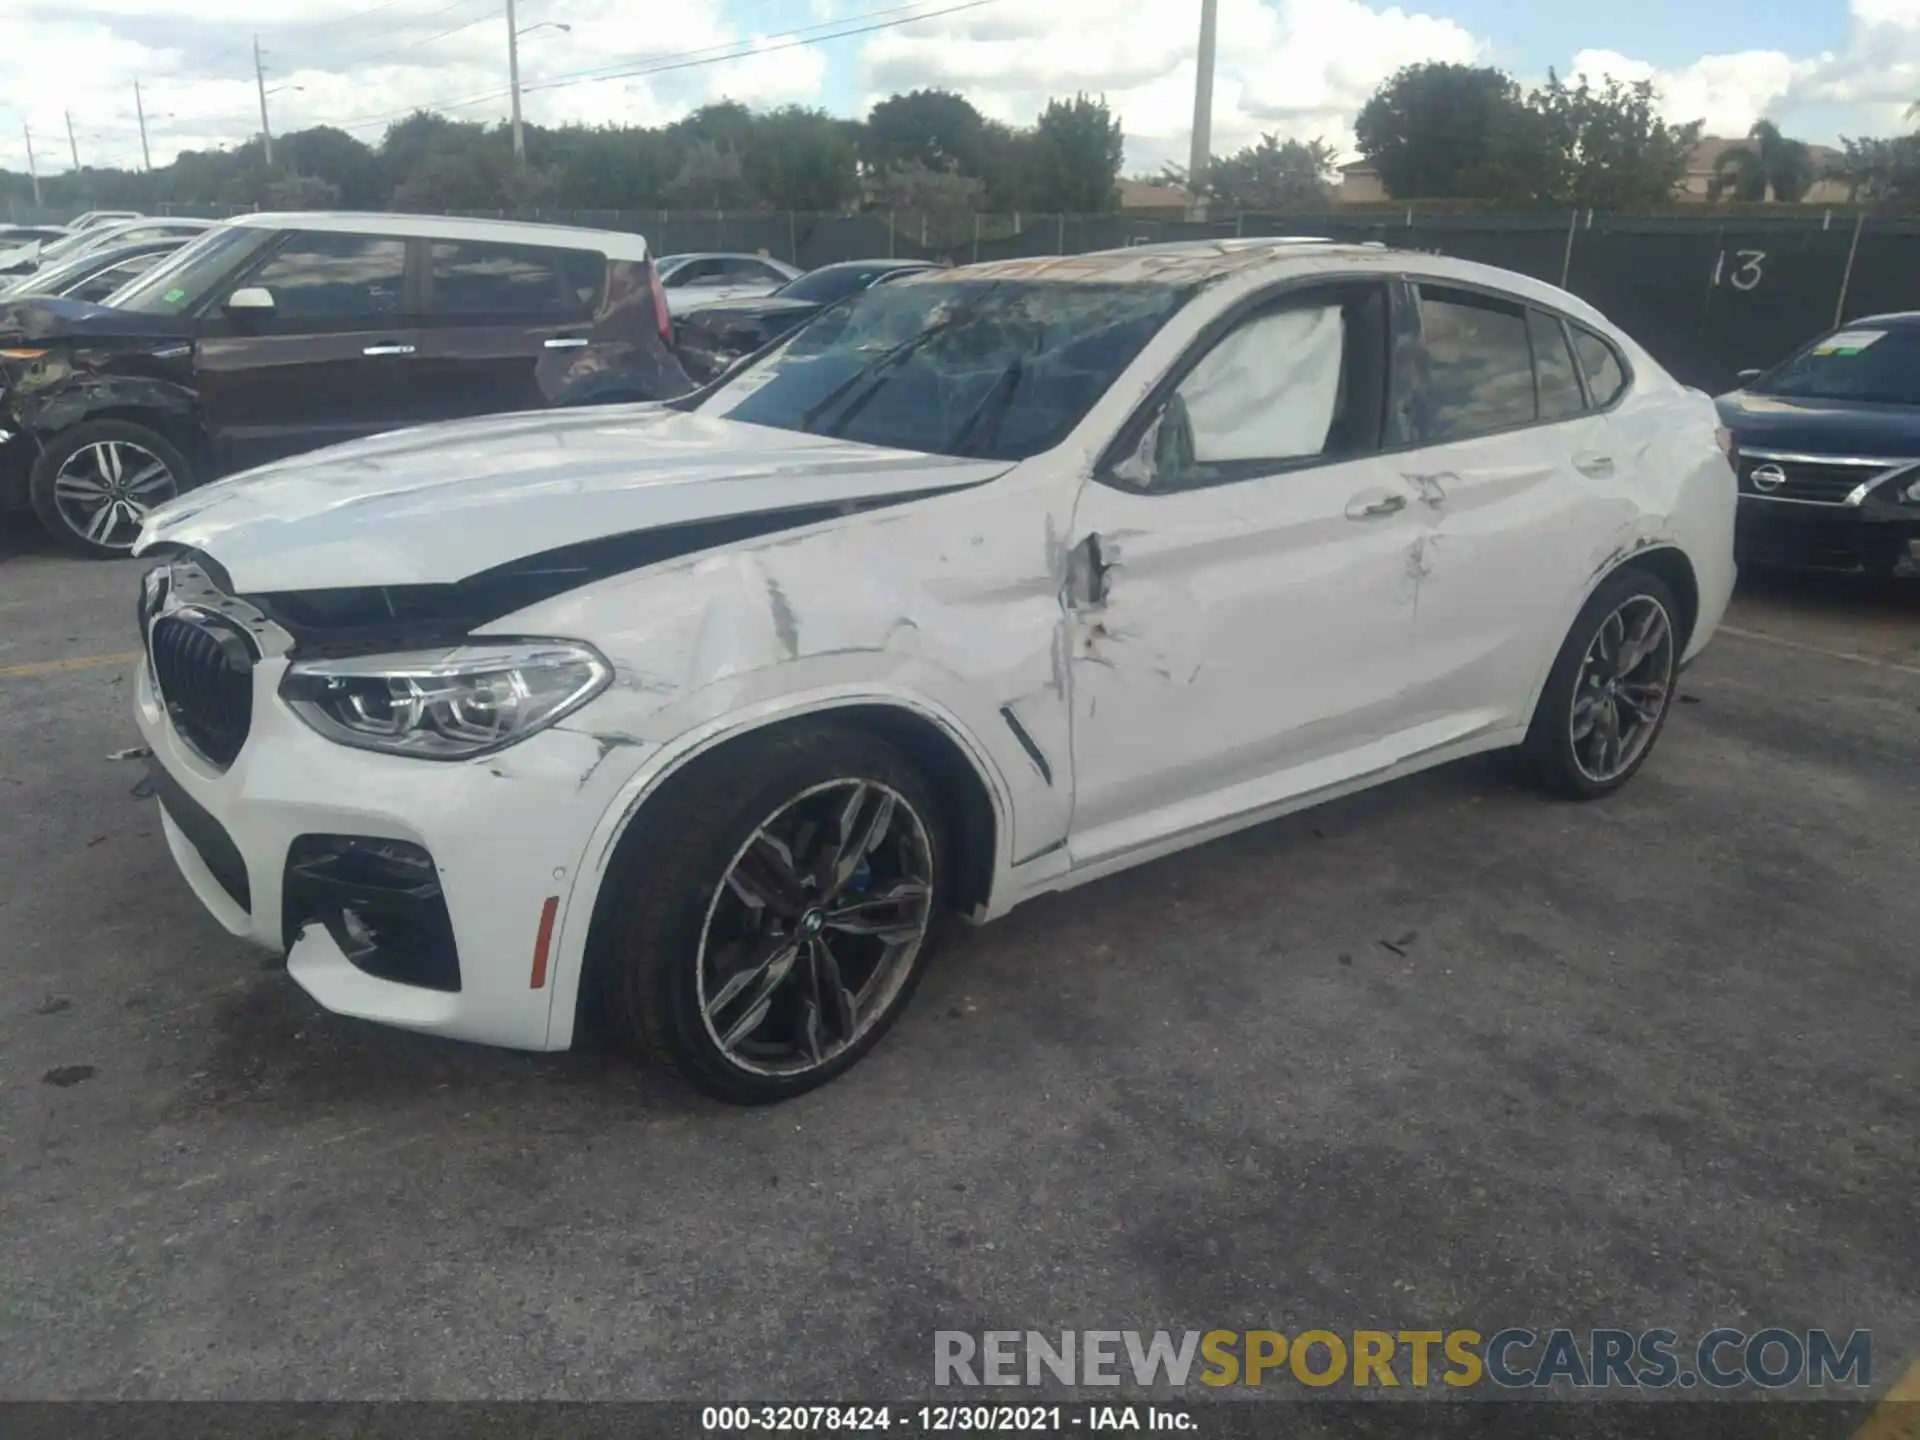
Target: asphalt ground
x=1443, y=1055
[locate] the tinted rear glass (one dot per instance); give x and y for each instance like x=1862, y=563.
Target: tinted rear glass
x=481, y=278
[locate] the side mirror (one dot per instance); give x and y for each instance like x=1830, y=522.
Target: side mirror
x=251, y=300
x=1747, y=377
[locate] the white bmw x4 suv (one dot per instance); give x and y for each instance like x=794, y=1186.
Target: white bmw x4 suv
x=693, y=718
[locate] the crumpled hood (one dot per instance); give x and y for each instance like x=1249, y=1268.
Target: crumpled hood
x=443, y=502
x=44, y=317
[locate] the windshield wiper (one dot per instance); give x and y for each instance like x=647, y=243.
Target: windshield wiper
x=983, y=425
x=874, y=371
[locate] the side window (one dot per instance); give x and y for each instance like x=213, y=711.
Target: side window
x=1560, y=397
x=333, y=276
x=478, y=278
x=1606, y=376
x=1301, y=382
x=1478, y=366
x=111, y=279
x=698, y=273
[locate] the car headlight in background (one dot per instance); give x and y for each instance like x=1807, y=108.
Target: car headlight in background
x=1912, y=492
x=446, y=704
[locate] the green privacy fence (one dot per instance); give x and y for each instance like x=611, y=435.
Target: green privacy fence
x=1708, y=294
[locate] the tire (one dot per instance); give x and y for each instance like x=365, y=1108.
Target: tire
x=110, y=457
x=1558, y=754
x=679, y=929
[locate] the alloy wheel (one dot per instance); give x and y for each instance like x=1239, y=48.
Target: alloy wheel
x=814, y=927
x=1622, y=690
x=103, y=491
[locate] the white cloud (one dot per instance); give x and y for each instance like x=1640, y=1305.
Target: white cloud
x=324, y=66
x=1300, y=68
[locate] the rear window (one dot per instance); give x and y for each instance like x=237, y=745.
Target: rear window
x=482, y=278
x=1875, y=363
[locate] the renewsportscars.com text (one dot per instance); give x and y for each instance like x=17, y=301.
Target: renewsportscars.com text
x=1514, y=1358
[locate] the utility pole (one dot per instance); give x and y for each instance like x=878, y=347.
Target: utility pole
x=513, y=81
x=146, y=155
x=1202, y=152
x=32, y=168
x=73, y=146
x=260, y=82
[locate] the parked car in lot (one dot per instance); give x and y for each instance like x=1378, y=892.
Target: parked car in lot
x=691, y=718
x=90, y=219
x=281, y=333
x=714, y=336
x=695, y=280
x=103, y=236
x=1829, y=451
x=94, y=276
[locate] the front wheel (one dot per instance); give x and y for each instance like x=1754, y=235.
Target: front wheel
x=1610, y=689
x=774, y=911
x=93, y=486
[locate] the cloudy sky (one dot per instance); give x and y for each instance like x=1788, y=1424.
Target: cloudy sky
x=1820, y=68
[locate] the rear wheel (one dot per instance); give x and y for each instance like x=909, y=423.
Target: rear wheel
x=92, y=488
x=773, y=912
x=1610, y=689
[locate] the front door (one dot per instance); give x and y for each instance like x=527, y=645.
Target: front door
x=1519, y=475
x=1242, y=592
x=330, y=361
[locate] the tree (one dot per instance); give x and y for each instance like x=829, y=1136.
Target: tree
x=325, y=153
x=1614, y=150
x=1077, y=149
x=909, y=185
x=1271, y=176
x=1446, y=131
x=1772, y=167
x=935, y=129
x=710, y=177
x=1879, y=171
x=801, y=159
x=300, y=192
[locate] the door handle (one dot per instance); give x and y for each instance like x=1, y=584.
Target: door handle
x=566, y=342
x=1361, y=507
x=1599, y=467
x=388, y=349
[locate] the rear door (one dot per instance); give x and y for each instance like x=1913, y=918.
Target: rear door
x=1520, y=485
x=331, y=361
x=506, y=327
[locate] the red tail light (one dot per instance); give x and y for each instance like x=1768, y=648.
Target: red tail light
x=661, y=315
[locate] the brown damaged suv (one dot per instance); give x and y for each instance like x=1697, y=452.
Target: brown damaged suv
x=276, y=334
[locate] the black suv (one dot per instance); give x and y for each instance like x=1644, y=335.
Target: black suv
x=277, y=334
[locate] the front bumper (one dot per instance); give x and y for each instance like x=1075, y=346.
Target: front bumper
x=508, y=836
x=1877, y=537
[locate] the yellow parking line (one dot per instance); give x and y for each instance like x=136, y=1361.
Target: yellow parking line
x=1897, y=1416
x=77, y=662
x=1785, y=643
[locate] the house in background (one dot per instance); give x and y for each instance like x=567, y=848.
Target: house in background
x=1153, y=201
x=1360, y=185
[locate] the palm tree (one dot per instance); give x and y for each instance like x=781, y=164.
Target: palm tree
x=1770, y=167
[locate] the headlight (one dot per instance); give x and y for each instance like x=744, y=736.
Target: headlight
x=1912, y=492
x=448, y=704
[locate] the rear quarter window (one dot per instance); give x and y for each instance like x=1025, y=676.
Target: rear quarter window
x=1601, y=364
x=483, y=278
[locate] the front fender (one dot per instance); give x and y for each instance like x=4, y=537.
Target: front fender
x=789, y=700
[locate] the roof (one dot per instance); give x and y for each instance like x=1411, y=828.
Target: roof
x=614, y=244
x=1358, y=167
x=682, y=256
x=1148, y=195
x=1705, y=156
x=1186, y=262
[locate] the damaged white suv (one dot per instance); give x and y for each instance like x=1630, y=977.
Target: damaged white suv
x=693, y=717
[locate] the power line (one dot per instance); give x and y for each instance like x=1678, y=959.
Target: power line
x=682, y=60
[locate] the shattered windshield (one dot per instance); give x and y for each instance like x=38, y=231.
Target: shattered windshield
x=1001, y=369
